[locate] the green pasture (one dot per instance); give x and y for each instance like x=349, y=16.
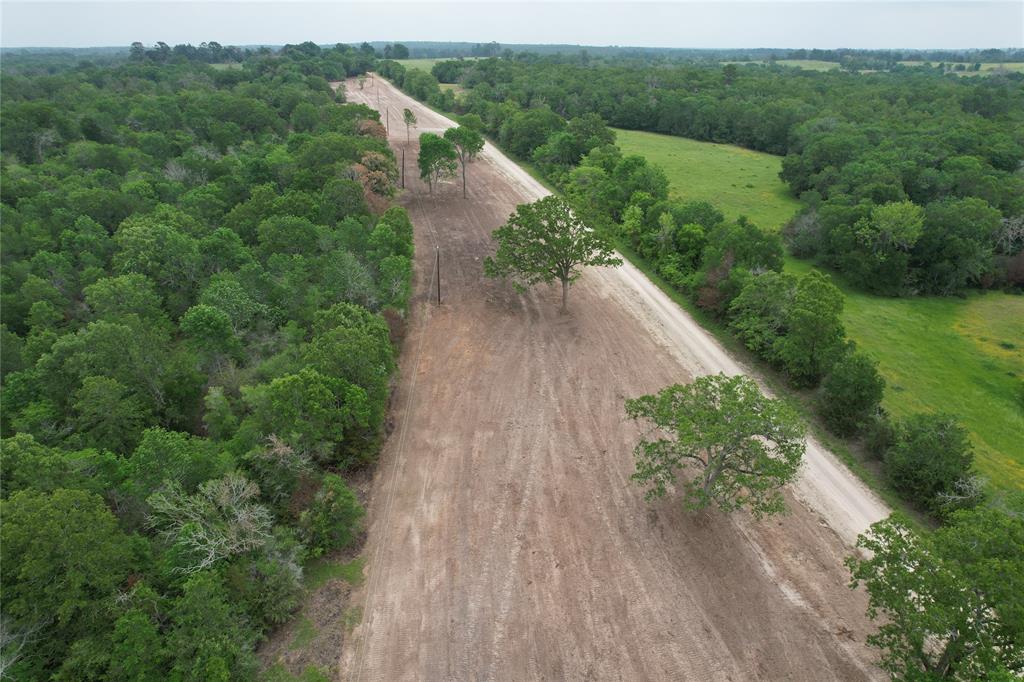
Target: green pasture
x=737, y=180
x=964, y=356
x=809, y=64
x=421, y=64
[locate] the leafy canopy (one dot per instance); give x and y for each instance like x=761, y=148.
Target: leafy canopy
x=545, y=241
x=743, y=446
x=951, y=602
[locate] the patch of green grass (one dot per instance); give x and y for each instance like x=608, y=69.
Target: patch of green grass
x=961, y=356
x=320, y=571
x=736, y=180
x=305, y=632
x=352, y=617
x=421, y=64
x=809, y=64
x=278, y=673
x=987, y=68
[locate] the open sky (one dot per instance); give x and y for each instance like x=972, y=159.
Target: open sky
x=723, y=23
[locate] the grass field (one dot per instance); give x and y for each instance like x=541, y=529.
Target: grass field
x=962, y=356
x=737, y=180
x=421, y=64
x=809, y=64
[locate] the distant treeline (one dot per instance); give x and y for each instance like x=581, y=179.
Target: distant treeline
x=912, y=177
x=434, y=50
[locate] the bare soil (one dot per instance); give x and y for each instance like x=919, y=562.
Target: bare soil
x=506, y=540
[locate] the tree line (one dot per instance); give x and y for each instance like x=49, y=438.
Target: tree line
x=201, y=286
x=910, y=178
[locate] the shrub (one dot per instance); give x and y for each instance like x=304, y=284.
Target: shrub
x=803, y=235
x=851, y=394
x=930, y=456
x=879, y=434
x=332, y=520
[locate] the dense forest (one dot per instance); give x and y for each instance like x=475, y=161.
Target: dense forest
x=912, y=177
x=202, y=284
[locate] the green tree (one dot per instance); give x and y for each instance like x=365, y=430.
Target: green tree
x=436, y=160
x=209, y=637
x=332, y=520
x=468, y=144
x=885, y=240
x=305, y=117
x=851, y=393
x=170, y=457
x=226, y=293
x=211, y=332
x=137, y=650
x=118, y=298
x=744, y=446
x=288, y=235
x=108, y=416
x=309, y=411
x=814, y=335
x=951, y=602
x=545, y=241
x=931, y=454
x=760, y=312
x=64, y=558
x=409, y=119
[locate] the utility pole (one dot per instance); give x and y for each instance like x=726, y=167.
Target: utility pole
x=437, y=266
x=387, y=121
x=403, y=167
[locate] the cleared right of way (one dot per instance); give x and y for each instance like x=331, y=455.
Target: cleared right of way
x=506, y=540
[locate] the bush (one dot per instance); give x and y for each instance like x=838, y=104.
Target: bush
x=930, y=456
x=879, y=434
x=851, y=394
x=803, y=235
x=269, y=585
x=332, y=520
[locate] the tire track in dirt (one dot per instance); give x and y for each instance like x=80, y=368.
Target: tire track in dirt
x=506, y=540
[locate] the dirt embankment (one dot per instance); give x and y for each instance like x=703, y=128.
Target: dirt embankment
x=506, y=540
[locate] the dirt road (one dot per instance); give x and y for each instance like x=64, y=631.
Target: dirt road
x=506, y=540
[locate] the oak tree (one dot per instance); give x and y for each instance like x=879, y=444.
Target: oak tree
x=546, y=241
x=743, y=445
x=952, y=601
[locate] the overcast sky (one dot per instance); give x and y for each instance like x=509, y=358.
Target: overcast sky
x=722, y=23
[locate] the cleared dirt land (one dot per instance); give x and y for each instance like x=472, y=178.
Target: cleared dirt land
x=506, y=540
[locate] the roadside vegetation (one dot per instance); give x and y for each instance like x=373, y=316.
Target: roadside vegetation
x=201, y=283
x=961, y=355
